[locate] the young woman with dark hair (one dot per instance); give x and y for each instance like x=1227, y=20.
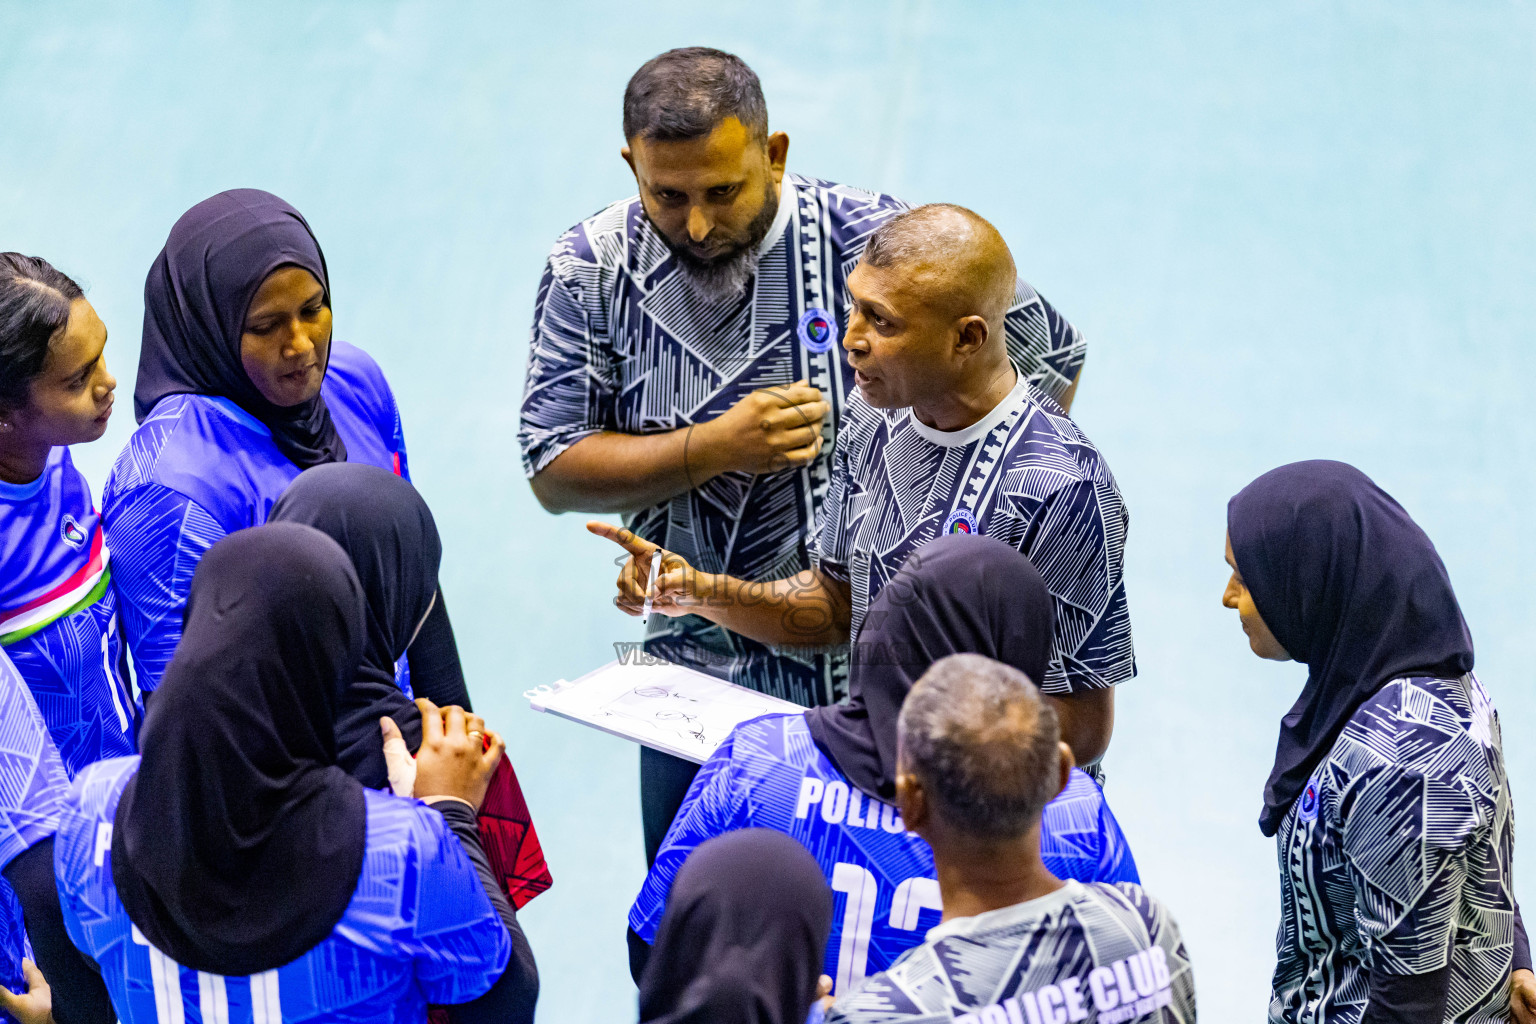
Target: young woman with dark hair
x=58, y=620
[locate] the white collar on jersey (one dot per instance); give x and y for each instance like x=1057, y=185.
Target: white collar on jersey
x=788, y=200
x=955, y=438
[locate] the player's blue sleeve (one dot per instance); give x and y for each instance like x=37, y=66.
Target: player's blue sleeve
x=1116, y=864
x=157, y=536
x=458, y=943
x=571, y=387
x=397, y=435
x=33, y=784
x=715, y=803
x=1077, y=541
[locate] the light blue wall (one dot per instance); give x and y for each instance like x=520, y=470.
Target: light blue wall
x=1289, y=230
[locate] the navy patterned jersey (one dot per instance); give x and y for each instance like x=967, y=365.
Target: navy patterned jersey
x=1397, y=856
x=1095, y=953
x=769, y=773
x=622, y=342
x=1023, y=474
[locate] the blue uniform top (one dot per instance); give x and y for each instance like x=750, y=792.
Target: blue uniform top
x=32, y=789
x=58, y=620
x=769, y=773
x=419, y=929
x=199, y=468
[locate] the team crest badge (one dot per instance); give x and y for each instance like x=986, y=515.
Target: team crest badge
x=961, y=520
x=1309, y=802
x=815, y=329
x=73, y=535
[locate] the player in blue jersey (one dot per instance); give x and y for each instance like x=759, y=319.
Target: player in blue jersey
x=945, y=436
x=240, y=388
x=684, y=369
x=33, y=785
x=979, y=757
x=58, y=620
x=234, y=873
x=1389, y=800
x=827, y=777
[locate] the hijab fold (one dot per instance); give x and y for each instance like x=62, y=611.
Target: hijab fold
x=386, y=529
x=957, y=594
x=1350, y=586
x=743, y=937
x=195, y=300
x=237, y=846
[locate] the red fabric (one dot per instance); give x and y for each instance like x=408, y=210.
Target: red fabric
x=512, y=847
x=511, y=844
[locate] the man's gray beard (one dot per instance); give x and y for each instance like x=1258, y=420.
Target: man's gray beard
x=721, y=281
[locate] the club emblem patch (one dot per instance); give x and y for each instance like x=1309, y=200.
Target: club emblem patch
x=961, y=520
x=815, y=330
x=70, y=530
x=1309, y=802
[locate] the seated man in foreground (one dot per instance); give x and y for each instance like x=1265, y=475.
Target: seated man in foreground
x=979, y=758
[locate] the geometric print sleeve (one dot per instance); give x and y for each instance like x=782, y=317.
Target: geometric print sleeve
x=32, y=784
x=458, y=943
x=1043, y=343
x=1403, y=838
x=157, y=536
x=1076, y=538
x=829, y=549
x=565, y=397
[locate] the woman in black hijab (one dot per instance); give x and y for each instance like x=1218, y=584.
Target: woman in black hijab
x=239, y=847
x=1388, y=791
x=742, y=938
x=958, y=594
x=386, y=529
x=241, y=387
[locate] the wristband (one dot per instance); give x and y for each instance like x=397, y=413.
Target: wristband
x=430, y=800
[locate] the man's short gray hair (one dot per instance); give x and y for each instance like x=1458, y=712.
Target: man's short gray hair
x=984, y=743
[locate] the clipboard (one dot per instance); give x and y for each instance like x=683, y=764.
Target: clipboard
x=671, y=708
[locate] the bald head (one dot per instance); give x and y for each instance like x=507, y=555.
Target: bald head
x=954, y=256
x=984, y=744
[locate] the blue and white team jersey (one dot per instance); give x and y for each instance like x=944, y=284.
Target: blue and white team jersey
x=1023, y=474
x=33, y=785
x=199, y=468
x=1397, y=856
x=1097, y=953
x=58, y=613
x=769, y=773
x=623, y=342
x=419, y=929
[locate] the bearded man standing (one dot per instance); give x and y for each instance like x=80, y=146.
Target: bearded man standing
x=685, y=371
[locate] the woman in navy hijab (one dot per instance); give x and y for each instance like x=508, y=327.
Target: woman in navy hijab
x=241, y=387
x=1388, y=792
